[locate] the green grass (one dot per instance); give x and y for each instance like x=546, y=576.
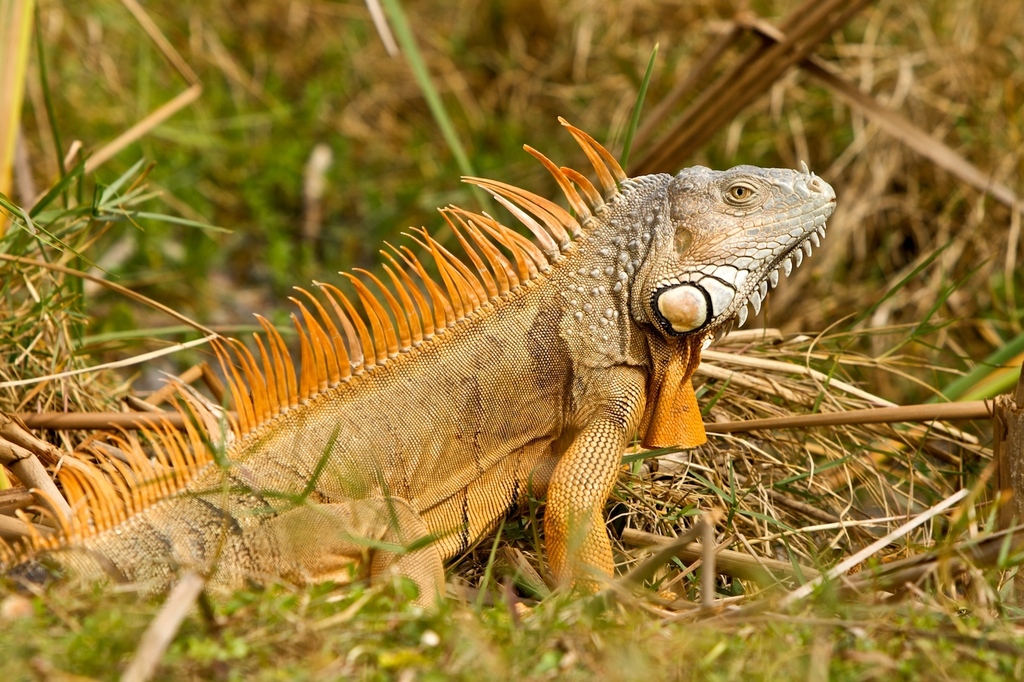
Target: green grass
x=284, y=634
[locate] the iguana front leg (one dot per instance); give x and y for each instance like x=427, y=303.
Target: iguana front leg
x=577, y=540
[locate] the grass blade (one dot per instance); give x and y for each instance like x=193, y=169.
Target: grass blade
x=44, y=84
x=58, y=188
x=961, y=387
x=15, y=38
x=110, y=191
x=635, y=121
x=407, y=41
x=895, y=288
x=178, y=221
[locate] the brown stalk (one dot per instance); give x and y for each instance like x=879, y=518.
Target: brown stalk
x=730, y=562
x=12, y=529
x=108, y=421
x=143, y=127
x=13, y=432
x=14, y=498
x=160, y=40
x=162, y=629
x=30, y=472
x=978, y=409
x=751, y=77
x=975, y=409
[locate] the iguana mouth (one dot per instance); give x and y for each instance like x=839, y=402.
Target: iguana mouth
x=689, y=307
x=793, y=257
x=786, y=264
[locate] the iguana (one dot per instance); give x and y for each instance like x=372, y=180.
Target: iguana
x=411, y=429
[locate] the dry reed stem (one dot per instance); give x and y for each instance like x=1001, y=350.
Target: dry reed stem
x=143, y=127
x=162, y=629
x=14, y=529
x=15, y=432
x=758, y=69
x=921, y=142
x=160, y=40
x=25, y=465
x=843, y=566
x=926, y=413
x=14, y=498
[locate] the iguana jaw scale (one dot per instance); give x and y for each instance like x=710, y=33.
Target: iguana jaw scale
x=791, y=259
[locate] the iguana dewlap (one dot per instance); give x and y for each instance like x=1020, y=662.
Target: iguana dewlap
x=411, y=428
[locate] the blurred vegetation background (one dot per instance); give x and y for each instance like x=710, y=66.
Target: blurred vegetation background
x=211, y=156
x=312, y=144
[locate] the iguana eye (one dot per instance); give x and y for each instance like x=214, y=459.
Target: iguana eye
x=740, y=194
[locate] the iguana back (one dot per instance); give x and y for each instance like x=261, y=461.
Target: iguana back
x=524, y=367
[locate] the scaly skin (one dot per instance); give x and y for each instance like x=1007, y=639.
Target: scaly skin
x=538, y=391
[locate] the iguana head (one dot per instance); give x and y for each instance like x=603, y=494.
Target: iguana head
x=720, y=240
x=717, y=241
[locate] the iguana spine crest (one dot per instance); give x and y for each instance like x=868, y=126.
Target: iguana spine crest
x=328, y=356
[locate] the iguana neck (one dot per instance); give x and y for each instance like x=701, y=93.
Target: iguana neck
x=594, y=286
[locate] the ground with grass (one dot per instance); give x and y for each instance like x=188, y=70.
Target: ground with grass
x=284, y=634
x=312, y=145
